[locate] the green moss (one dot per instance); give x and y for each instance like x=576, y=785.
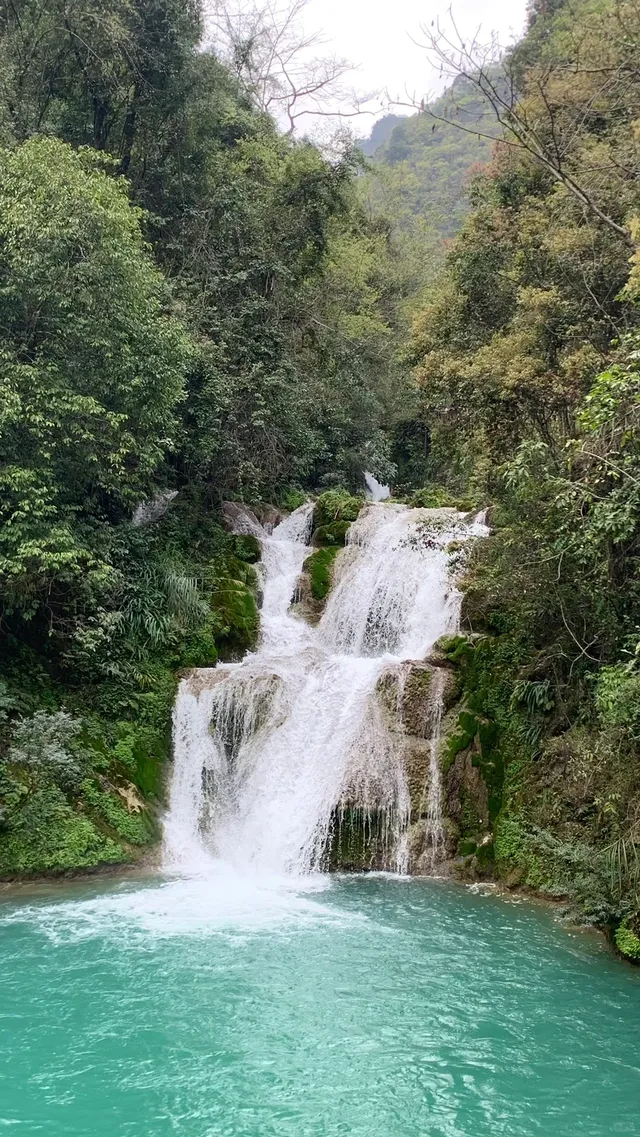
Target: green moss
x=415, y=701
x=358, y=841
x=467, y=847
x=235, y=607
x=627, y=942
x=334, y=534
x=455, y=648
x=319, y=567
x=485, y=854
x=470, y=821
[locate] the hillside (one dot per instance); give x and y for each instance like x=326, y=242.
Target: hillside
x=420, y=164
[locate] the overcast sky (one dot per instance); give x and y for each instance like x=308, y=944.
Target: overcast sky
x=376, y=34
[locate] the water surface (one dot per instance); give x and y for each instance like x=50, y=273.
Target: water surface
x=369, y=1007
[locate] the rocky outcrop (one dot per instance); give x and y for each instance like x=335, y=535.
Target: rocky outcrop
x=408, y=697
x=238, y=518
x=314, y=583
x=269, y=515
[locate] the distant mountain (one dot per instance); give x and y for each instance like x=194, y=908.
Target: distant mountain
x=380, y=133
x=421, y=163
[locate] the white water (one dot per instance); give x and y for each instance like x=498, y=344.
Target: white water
x=375, y=489
x=267, y=751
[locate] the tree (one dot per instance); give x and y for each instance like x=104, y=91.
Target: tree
x=551, y=93
x=94, y=74
x=276, y=60
x=91, y=364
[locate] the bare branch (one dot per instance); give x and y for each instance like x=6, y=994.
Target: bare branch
x=279, y=63
x=493, y=74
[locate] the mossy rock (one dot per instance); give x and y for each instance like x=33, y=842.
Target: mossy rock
x=267, y=514
x=319, y=566
x=455, y=648
x=359, y=841
x=466, y=796
x=331, y=535
x=333, y=513
x=486, y=854
x=626, y=939
x=235, y=606
x=411, y=710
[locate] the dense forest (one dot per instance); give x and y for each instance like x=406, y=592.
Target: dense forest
x=192, y=305
x=526, y=356
x=196, y=307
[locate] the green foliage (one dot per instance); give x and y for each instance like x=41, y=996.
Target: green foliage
x=627, y=942
x=336, y=507
x=419, y=174
x=107, y=808
x=91, y=368
x=515, y=333
x=41, y=749
x=247, y=548
x=437, y=497
x=49, y=835
x=292, y=499
x=189, y=302
x=526, y=354
x=618, y=698
x=333, y=513
x=236, y=611
x=515, y=854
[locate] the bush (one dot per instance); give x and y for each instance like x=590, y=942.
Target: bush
x=336, y=505
x=627, y=941
x=42, y=748
x=618, y=698
x=334, y=512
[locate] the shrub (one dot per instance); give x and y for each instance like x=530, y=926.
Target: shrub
x=42, y=747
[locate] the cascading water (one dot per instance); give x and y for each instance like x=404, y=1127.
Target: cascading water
x=268, y=752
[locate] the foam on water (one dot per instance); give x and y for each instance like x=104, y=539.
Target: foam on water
x=219, y=901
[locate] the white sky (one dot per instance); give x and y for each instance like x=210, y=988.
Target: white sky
x=376, y=35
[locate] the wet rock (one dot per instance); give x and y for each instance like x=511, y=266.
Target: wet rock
x=203, y=679
x=304, y=605
x=269, y=515
x=149, y=511
x=314, y=584
x=466, y=795
x=406, y=694
x=238, y=518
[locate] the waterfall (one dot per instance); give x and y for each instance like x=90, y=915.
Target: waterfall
x=269, y=752
x=375, y=489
